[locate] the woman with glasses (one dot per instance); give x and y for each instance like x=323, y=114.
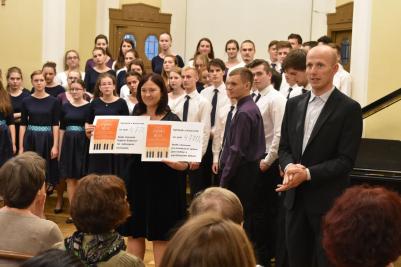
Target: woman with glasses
x=73, y=142
x=71, y=63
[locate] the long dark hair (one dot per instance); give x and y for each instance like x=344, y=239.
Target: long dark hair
x=140, y=107
x=5, y=101
x=120, y=58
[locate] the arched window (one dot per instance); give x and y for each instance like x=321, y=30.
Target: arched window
x=151, y=46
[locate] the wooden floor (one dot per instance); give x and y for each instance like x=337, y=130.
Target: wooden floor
x=68, y=229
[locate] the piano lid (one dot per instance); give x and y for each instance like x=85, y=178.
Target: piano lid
x=381, y=103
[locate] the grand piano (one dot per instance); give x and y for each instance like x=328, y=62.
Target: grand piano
x=379, y=161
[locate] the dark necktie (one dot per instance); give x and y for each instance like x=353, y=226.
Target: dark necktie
x=185, y=110
x=214, y=106
x=253, y=95
x=257, y=98
x=304, y=90
x=289, y=92
x=228, y=124
x=274, y=66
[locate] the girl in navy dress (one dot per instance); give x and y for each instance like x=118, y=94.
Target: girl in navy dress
x=106, y=102
x=165, y=41
x=73, y=142
x=17, y=93
x=7, y=128
x=49, y=72
x=39, y=130
x=102, y=42
x=92, y=74
x=155, y=190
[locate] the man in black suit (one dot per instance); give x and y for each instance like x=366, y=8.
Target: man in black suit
x=320, y=136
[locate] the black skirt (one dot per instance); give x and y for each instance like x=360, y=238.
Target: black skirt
x=73, y=155
x=6, y=145
x=41, y=142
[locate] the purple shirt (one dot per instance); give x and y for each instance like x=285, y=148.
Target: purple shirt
x=246, y=140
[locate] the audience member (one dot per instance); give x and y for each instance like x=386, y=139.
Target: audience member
x=219, y=200
x=209, y=241
x=99, y=205
x=363, y=228
x=22, y=187
x=54, y=258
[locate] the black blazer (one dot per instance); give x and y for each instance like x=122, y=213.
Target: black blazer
x=330, y=153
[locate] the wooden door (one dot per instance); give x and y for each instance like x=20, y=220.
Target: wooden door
x=140, y=22
x=339, y=28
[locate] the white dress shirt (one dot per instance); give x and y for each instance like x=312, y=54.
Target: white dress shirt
x=277, y=67
x=296, y=90
x=219, y=127
x=271, y=105
x=124, y=91
x=172, y=102
x=222, y=98
x=199, y=110
x=342, y=80
x=315, y=106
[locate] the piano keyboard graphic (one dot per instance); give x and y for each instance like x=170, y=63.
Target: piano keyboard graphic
x=103, y=145
x=157, y=153
x=105, y=134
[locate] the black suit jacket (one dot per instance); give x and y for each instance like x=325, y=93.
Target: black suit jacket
x=330, y=153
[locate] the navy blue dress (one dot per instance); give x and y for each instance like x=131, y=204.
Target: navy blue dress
x=156, y=194
x=16, y=102
x=75, y=145
x=107, y=163
x=91, y=76
x=6, y=145
x=39, y=115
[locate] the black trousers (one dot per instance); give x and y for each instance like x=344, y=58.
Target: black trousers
x=202, y=178
x=304, y=237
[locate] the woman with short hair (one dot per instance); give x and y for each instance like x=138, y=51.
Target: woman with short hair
x=22, y=186
x=99, y=205
x=208, y=240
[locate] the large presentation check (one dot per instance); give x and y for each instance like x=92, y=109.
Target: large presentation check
x=154, y=140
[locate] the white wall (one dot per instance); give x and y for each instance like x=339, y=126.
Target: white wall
x=258, y=20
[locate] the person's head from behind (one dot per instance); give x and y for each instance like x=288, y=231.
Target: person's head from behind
x=239, y=83
x=207, y=241
x=22, y=180
x=294, y=66
x=53, y=257
x=218, y=200
x=363, y=228
x=99, y=204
